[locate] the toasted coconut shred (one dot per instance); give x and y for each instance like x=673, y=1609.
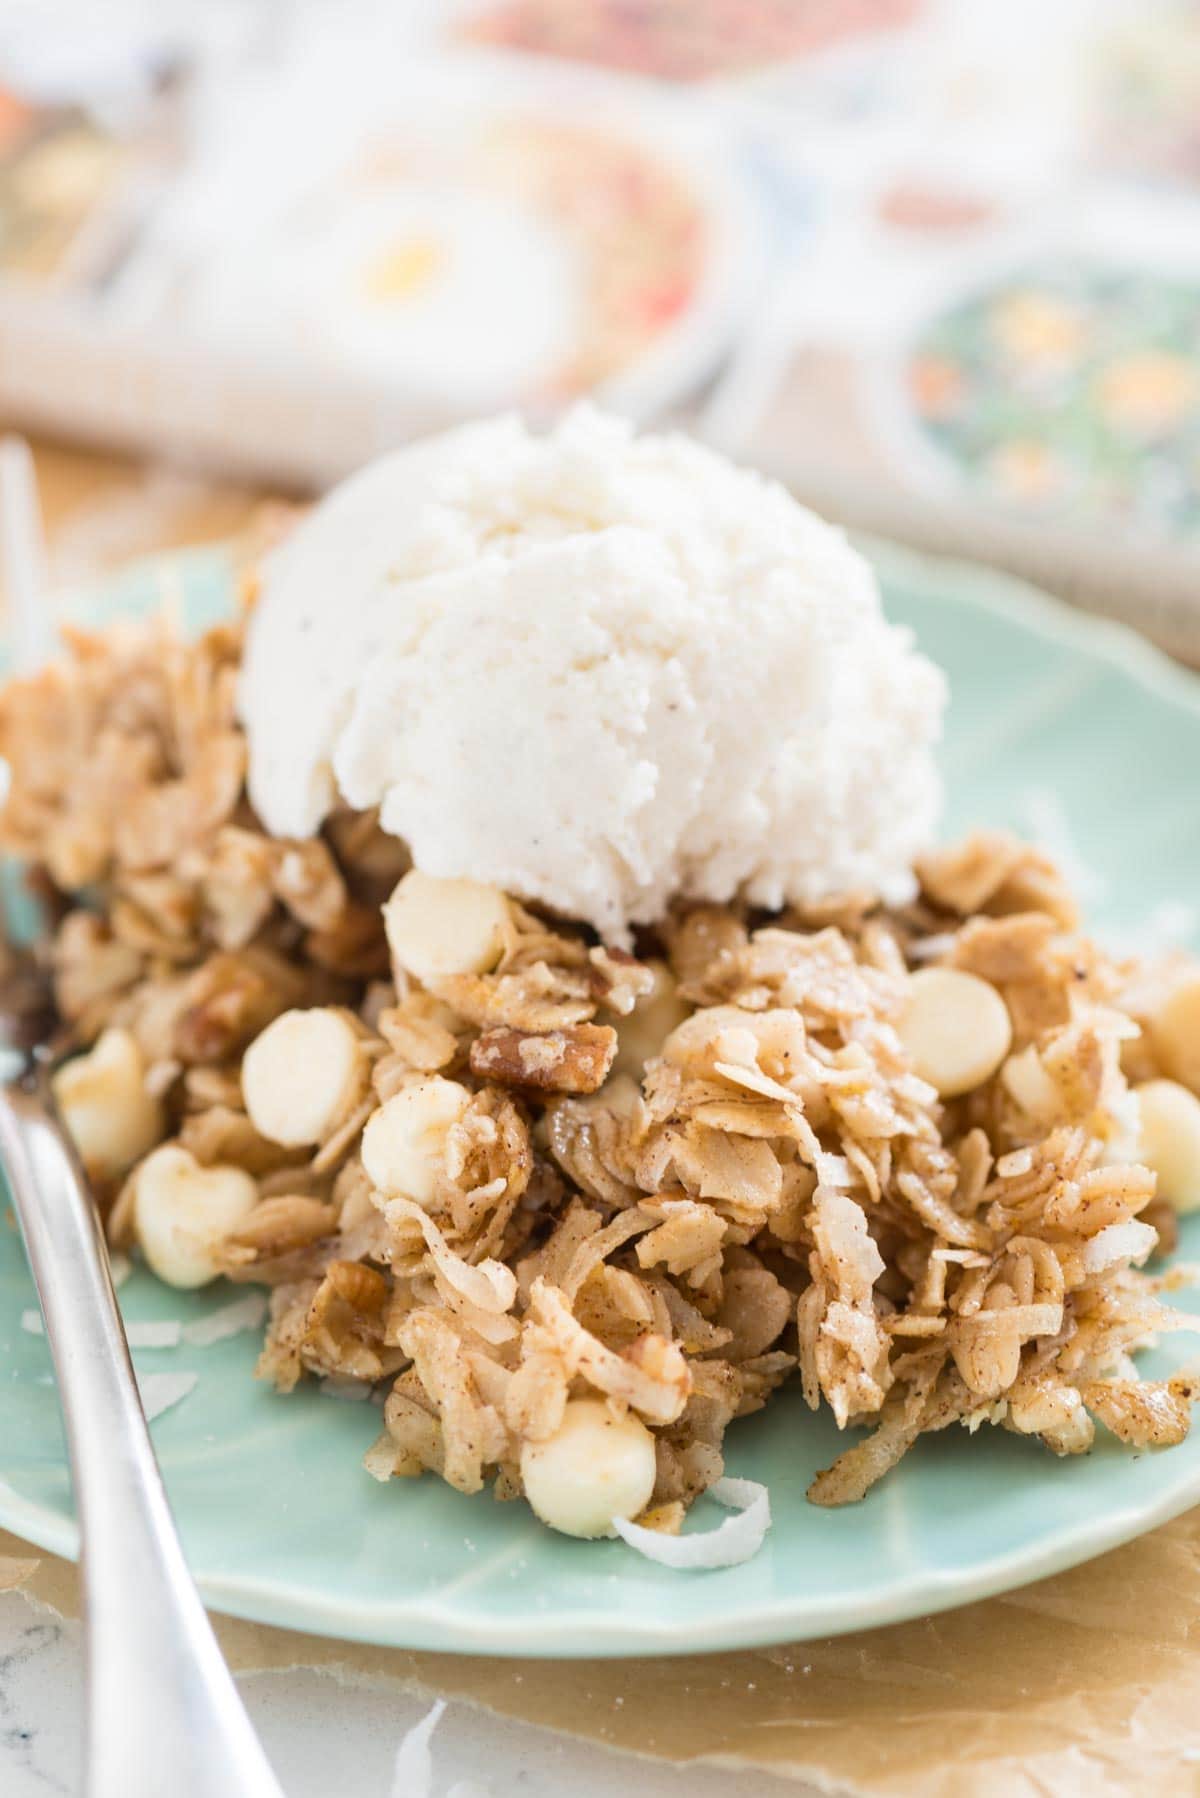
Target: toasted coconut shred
x=737, y=1539
x=771, y=1195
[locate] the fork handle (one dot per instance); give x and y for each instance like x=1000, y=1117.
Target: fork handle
x=163, y=1713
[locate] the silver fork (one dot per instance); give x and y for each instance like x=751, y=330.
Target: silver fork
x=163, y=1713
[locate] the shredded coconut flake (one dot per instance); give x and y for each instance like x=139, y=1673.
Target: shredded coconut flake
x=31, y=1323
x=1131, y=1241
x=153, y=1335
x=159, y=1391
x=340, y=1387
x=246, y=1313
x=119, y=1268
x=413, y=1776
x=733, y=1541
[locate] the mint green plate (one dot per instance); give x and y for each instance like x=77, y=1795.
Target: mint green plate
x=1052, y=718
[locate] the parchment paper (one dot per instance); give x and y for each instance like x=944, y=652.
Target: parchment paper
x=1083, y=1686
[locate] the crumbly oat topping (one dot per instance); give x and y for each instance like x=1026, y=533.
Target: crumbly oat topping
x=780, y=1194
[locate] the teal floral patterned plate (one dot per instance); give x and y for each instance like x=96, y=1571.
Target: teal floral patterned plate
x=1057, y=726
x=1069, y=388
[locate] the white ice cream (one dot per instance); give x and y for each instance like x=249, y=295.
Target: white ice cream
x=598, y=670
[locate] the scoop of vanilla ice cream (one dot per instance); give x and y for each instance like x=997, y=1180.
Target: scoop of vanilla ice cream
x=595, y=669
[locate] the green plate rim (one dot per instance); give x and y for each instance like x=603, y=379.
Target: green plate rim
x=422, y=1624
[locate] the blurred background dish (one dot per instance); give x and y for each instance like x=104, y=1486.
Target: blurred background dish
x=1065, y=379
x=255, y=241
x=684, y=40
x=376, y=244
x=474, y=237
x=934, y=262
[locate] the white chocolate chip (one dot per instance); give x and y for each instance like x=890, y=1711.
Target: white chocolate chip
x=404, y=1143
x=1174, y=1029
x=594, y=1468
x=436, y=928
x=1169, y=1141
x=102, y=1097
x=182, y=1210
x=1027, y=1081
x=621, y=1095
x=302, y=1076
x=641, y=1034
x=956, y=1028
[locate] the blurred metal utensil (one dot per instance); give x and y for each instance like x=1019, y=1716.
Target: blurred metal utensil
x=163, y=1713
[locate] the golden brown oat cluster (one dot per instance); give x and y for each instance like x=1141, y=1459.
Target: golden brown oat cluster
x=670, y=1182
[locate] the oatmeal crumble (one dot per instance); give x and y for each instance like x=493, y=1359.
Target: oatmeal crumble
x=769, y=1190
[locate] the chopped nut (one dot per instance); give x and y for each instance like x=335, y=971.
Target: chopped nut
x=574, y=1060
x=229, y=999
x=354, y=947
x=309, y=884
x=619, y=980
x=235, y=884
x=343, y=1332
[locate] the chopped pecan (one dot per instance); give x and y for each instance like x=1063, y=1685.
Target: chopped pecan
x=354, y=947
x=161, y=822
x=223, y=1133
x=618, y=980
x=573, y=1060
x=309, y=884
x=92, y=971
x=229, y=999
x=698, y=940
x=536, y=998
x=234, y=880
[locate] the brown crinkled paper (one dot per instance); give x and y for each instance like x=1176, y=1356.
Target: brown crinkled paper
x=1088, y=1683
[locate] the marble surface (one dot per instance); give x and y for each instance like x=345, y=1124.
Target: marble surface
x=325, y=1737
